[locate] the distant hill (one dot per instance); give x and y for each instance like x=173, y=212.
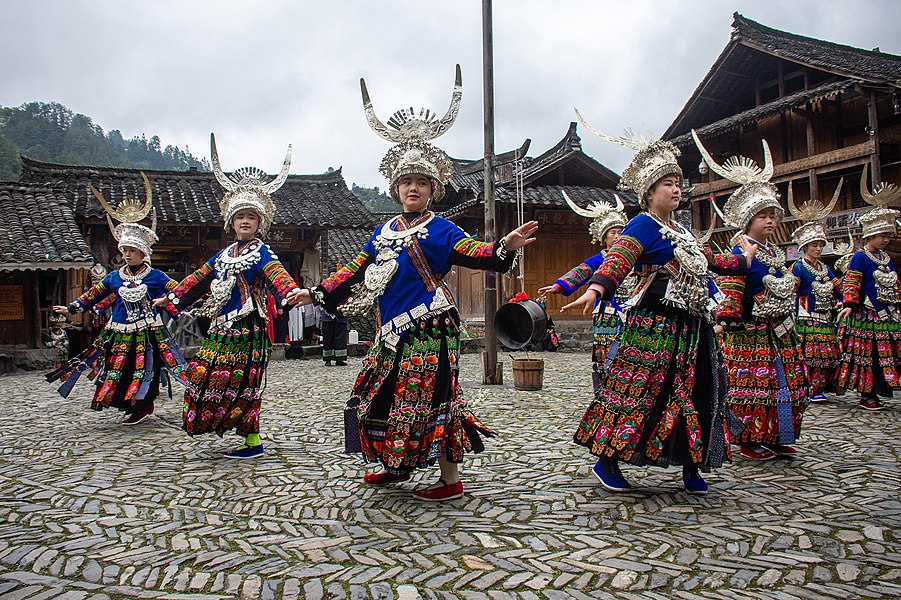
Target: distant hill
x=53, y=133
x=374, y=199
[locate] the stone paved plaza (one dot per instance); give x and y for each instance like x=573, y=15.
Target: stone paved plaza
x=90, y=509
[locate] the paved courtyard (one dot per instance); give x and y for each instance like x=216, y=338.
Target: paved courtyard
x=90, y=509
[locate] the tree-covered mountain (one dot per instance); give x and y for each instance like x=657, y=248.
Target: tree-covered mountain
x=53, y=133
x=374, y=199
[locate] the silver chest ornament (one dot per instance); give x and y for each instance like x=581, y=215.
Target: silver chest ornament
x=388, y=243
x=886, y=285
x=687, y=287
x=822, y=288
x=134, y=294
x=779, y=292
x=227, y=269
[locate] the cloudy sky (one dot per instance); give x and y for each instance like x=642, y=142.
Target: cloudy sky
x=262, y=75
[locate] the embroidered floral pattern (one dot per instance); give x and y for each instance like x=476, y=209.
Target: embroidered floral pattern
x=345, y=273
x=474, y=248
x=860, y=334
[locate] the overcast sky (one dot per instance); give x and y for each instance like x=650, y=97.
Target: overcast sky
x=265, y=74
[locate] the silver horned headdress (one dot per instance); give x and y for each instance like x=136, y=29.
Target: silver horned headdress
x=755, y=192
x=654, y=159
x=604, y=216
x=413, y=154
x=810, y=213
x=248, y=188
x=880, y=219
x=129, y=233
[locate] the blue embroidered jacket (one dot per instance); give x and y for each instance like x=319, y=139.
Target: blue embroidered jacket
x=806, y=299
x=157, y=282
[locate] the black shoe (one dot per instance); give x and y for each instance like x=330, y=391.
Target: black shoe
x=328, y=363
x=340, y=363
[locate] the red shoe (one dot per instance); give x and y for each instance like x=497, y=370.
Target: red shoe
x=756, y=452
x=781, y=450
x=384, y=478
x=871, y=404
x=134, y=419
x=439, y=494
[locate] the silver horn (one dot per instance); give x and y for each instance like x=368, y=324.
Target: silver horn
x=223, y=180
x=280, y=179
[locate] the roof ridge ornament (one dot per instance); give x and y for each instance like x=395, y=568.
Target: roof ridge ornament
x=405, y=125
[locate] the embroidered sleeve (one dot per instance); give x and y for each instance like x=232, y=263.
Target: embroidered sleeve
x=189, y=289
x=337, y=288
x=474, y=254
x=282, y=283
x=579, y=275
x=98, y=293
x=852, y=283
x=726, y=263
x=836, y=283
x=729, y=311
x=618, y=263
x=105, y=304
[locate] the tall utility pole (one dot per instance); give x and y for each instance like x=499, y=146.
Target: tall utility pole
x=489, y=358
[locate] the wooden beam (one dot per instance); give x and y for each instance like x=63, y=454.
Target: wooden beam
x=823, y=163
x=718, y=101
x=874, y=135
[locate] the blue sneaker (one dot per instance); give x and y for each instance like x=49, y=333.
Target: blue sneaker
x=608, y=473
x=694, y=483
x=245, y=452
x=816, y=398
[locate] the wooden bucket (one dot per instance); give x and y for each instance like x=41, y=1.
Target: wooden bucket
x=528, y=373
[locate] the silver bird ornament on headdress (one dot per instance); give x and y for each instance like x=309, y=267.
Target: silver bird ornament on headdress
x=413, y=154
x=810, y=213
x=604, y=216
x=881, y=218
x=129, y=233
x=755, y=192
x=248, y=188
x=654, y=159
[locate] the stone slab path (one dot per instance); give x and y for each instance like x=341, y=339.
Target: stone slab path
x=91, y=509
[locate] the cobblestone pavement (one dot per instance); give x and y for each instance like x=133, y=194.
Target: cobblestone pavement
x=90, y=509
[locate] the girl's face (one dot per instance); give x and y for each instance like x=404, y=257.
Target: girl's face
x=414, y=192
x=246, y=223
x=762, y=225
x=878, y=241
x=664, y=196
x=611, y=236
x=814, y=250
x=132, y=256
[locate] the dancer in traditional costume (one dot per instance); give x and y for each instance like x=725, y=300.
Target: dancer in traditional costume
x=607, y=222
x=408, y=397
x=768, y=388
x=870, y=320
x=661, y=401
x=817, y=295
x=58, y=338
x=127, y=358
x=227, y=375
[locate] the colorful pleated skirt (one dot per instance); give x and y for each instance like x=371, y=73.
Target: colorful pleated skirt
x=768, y=386
x=226, y=379
x=125, y=367
x=820, y=351
x=661, y=401
x=871, y=354
x=410, y=403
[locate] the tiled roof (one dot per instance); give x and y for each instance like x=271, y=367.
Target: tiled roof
x=869, y=65
x=550, y=196
x=763, y=111
x=756, y=51
x=193, y=196
x=38, y=230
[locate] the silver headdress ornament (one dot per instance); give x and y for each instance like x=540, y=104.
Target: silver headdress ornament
x=248, y=188
x=880, y=219
x=413, y=154
x=654, y=160
x=755, y=192
x=604, y=216
x=128, y=233
x=810, y=212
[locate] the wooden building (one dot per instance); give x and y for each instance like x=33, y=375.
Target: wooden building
x=189, y=222
x=825, y=109
x=533, y=187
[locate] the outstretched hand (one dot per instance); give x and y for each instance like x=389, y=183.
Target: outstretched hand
x=521, y=236
x=748, y=247
x=162, y=302
x=60, y=309
x=303, y=297
x=550, y=289
x=586, y=301
x=843, y=313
